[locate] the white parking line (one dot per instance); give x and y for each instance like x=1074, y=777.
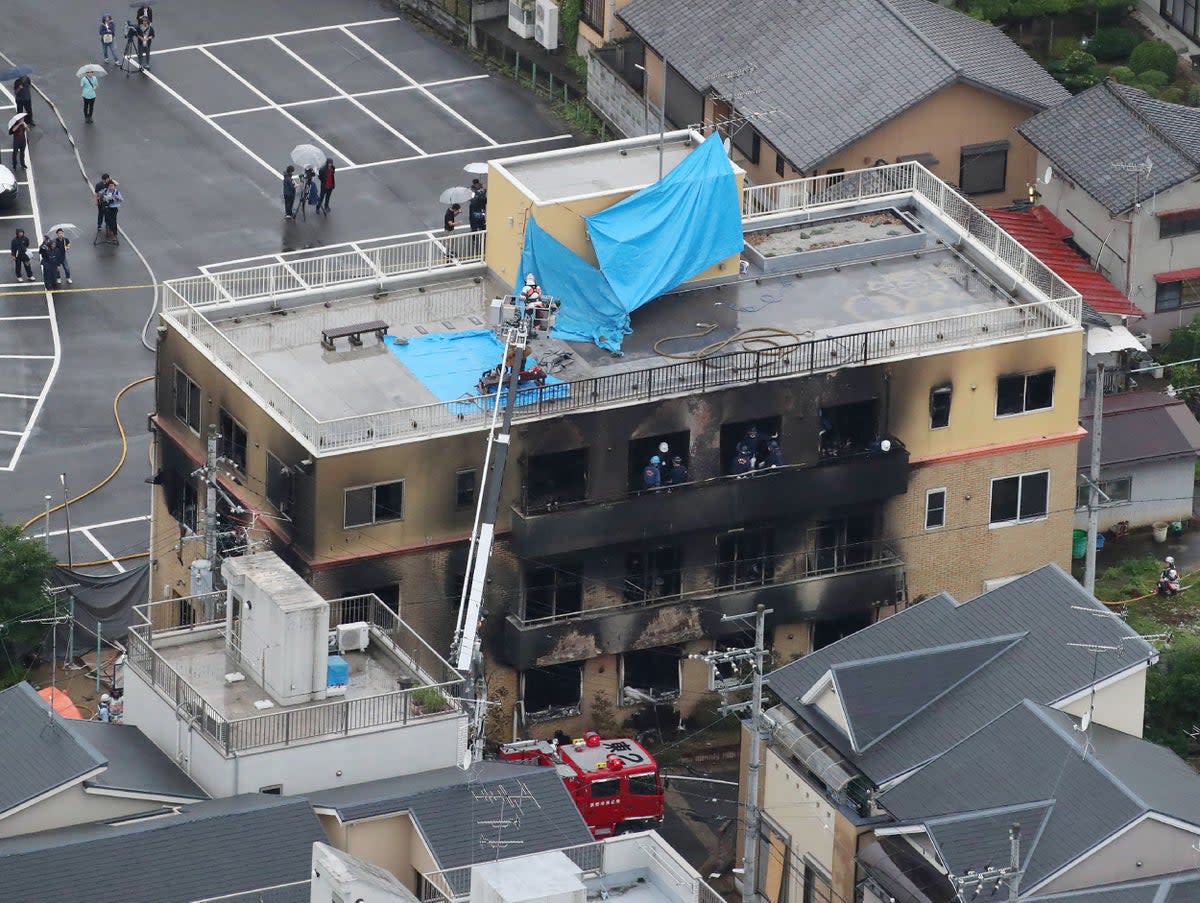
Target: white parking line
x=11, y=433
x=23, y=397
x=281, y=34
x=29, y=357
x=296, y=122
x=317, y=72
x=465, y=150
x=30, y=317
x=108, y=556
x=408, y=78
x=313, y=100
x=111, y=523
x=17, y=216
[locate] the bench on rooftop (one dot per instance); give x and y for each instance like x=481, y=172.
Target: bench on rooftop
x=354, y=333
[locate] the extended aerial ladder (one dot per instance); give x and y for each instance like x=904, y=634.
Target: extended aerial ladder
x=467, y=650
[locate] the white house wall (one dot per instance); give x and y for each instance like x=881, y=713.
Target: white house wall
x=1148, y=849
x=72, y=806
x=1161, y=491
x=1121, y=706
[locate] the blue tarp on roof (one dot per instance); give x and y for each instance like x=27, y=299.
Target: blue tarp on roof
x=668, y=232
x=647, y=244
x=449, y=365
x=590, y=311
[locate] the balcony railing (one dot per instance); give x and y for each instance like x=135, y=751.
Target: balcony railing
x=298, y=723
x=189, y=301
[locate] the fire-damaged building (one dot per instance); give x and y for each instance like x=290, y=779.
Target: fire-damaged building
x=873, y=400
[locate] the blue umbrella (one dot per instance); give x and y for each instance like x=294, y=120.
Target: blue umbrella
x=15, y=72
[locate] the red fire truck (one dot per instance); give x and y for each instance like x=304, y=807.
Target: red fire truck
x=615, y=783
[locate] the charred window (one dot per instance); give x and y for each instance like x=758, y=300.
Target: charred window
x=939, y=406
x=650, y=675
x=182, y=499
x=747, y=438
x=846, y=429
x=746, y=558
x=233, y=440
x=464, y=489
x=666, y=448
x=652, y=574
x=553, y=691
x=556, y=479
x=841, y=543
x=826, y=632
x=1024, y=392
x=553, y=591
x=279, y=485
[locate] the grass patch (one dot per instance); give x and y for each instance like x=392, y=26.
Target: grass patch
x=429, y=699
x=1136, y=577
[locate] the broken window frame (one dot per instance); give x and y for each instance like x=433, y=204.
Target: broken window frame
x=941, y=399
x=639, y=583
x=552, y=496
x=667, y=696
x=565, y=590
x=735, y=568
x=551, y=712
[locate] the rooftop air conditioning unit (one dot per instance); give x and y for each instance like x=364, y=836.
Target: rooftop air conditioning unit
x=520, y=19
x=545, y=28
x=353, y=637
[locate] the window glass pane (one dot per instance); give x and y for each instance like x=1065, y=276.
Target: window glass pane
x=358, y=506
x=643, y=784
x=1010, y=395
x=1034, y=490
x=939, y=407
x=983, y=173
x=1082, y=493
x=181, y=395
x=194, y=406
x=389, y=501
x=1168, y=295
x=1004, y=499
x=464, y=489
x=1039, y=390
x=605, y=789
x=1120, y=490
x=935, y=509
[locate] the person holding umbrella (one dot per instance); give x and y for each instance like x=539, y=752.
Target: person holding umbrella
x=89, y=78
x=18, y=127
x=23, y=95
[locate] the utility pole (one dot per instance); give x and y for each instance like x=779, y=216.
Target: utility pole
x=1139, y=170
x=1089, y=567
x=70, y=656
x=1010, y=874
x=756, y=654
x=62, y=478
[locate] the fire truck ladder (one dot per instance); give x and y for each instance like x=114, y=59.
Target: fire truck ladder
x=467, y=652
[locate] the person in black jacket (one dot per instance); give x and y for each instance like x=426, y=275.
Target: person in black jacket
x=289, y=192
x=23, y=95
x=48, y=251
x=326, y=181
x=20, y=254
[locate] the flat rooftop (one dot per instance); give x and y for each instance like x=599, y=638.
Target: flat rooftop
x=603, y=168
x=203, y=664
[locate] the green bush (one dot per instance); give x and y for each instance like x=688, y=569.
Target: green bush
x=1193, y=96
x=1079, y=62
x=1154, y=55
x=1123, y=74
x=1064, y=47
x=1171, y=94
x=1151, y=80
x=1112, y=44
x=429, y=699
x=1078, y=83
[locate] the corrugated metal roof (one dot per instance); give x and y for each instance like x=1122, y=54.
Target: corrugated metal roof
x=1042, y=234
x=834, y=72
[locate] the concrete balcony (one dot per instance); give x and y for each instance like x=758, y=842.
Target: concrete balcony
x=709, y=504
x=801, y=587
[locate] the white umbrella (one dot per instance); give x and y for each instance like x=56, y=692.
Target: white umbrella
x=15, y=120
x=478, y=169
x=90, y=68
x=456, y=195
x=70, y=229
x=308, y=155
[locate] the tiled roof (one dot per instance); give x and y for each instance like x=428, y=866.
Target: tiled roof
x=1042, y=608
x=1140, y=427
x=1034, y=756
x=1114, y=123
x=1042, y=234
x=135, y=764
x=1182, y=887
x=833, y=72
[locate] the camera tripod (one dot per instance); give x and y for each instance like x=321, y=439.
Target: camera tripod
x=131, y=50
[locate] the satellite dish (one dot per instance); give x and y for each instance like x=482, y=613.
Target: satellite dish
x=1086, y=721
x=1047, y=176
x=725, y=144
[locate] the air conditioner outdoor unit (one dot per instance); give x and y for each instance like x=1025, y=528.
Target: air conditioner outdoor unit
x=353, y=637
x=545, y=29
x=520, y=19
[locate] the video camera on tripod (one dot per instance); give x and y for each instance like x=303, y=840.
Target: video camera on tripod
x=131, y=31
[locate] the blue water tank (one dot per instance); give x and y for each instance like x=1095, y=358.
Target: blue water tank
x=337, y=673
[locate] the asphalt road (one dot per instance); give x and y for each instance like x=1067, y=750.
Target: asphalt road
x=197, y=146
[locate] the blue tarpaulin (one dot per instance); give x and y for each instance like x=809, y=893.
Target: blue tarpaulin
x=665, y=234
x=449, y=365
x=647, y=244
x=590, y=311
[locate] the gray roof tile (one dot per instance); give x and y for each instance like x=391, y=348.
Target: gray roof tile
x=209, y=849
x=847, y=69
x=1114, y=123
x=1140, y=426
x=135, y=764
x=1034, y=755
x=39, y=752
x=1154, y=890
x=1040, y=666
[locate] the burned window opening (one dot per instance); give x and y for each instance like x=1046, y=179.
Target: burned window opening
x=652, y=574
x=846, y=429
x=746, y=558
x=826, y=632
x=841, y=543
x=642, y=450
x=556, y=479
x=651, y=675
x=553, y=691
x=939, y=406
x=553, y=591
x=751, y=435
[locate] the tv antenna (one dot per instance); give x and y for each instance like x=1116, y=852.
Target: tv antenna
x=504, y=798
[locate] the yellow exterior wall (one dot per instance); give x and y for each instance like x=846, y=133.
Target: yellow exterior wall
x=508, y=208
x=1121, y=705
x=973, y=375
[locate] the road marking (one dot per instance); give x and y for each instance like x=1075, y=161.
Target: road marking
x=23, y=397
x=108, y=556
x=17, y=216
x=374, y=93
x=179, y=97
x=281, y=34
x=11, y=433
x=317, y=72
x=465, y=150
x=429, y=94
x=112, y=523
x=29, y=357
x=30, y=317
x=300, y=125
